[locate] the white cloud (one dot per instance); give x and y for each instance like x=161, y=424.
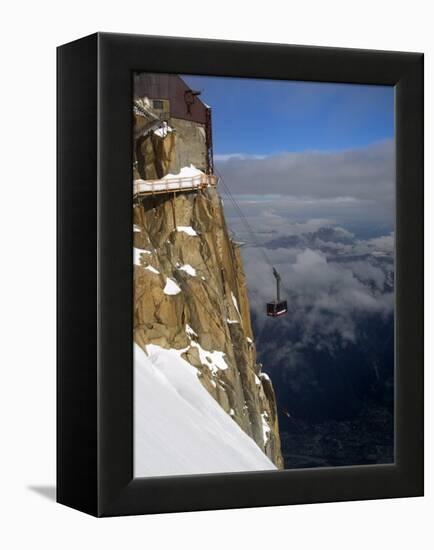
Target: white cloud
x=309, y=212
x=241, y=156
x=386, y=243
x=346, y=185
x=328, y=288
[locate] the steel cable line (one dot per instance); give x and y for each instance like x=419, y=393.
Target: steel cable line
x=249, y=228
x=245, y=221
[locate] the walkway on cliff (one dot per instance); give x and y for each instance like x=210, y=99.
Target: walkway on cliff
x=188, y=179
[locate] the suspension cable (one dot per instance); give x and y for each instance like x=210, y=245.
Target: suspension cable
x=247, y=225
x=245, y=221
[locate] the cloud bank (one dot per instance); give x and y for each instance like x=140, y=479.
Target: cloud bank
x=360, y=173
x=331, y=279
x=352, y=187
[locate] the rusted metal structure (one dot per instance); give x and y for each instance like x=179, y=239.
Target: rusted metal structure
x=184, y=102
x=171, y=98
x=208, y=137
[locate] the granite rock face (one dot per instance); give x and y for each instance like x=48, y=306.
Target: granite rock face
x=190, y=295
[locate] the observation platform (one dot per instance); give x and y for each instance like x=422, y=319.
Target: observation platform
x=173, y=184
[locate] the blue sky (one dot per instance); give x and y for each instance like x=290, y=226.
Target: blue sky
x=267, y=117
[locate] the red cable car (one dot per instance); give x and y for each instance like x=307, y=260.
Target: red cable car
x=278, y=307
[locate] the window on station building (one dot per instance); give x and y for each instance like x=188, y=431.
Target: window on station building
x=157, y=104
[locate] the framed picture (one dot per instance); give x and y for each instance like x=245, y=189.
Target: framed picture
x=240, y=274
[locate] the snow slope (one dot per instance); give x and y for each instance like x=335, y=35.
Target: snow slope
x=179, y=428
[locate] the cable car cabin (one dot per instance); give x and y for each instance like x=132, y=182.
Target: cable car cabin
x=276, y=309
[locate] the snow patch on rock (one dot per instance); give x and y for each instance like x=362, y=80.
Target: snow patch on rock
x=265, y=427
x=163, y=130
x=187, y=229
x=137, y=255
x=185, y=172
x=190, y=331
x=214, y=360
x=234, y=301
x=188, y=269
x=152, y=269
x=171, y=288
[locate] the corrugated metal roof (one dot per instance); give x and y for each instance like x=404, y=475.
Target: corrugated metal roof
x=170, y=86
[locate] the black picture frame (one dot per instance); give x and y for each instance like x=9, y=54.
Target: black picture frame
x=94, y=373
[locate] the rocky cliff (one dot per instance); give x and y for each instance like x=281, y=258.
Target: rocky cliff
x=190, y=295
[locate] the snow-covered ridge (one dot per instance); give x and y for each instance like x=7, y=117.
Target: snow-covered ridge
x=179, y=427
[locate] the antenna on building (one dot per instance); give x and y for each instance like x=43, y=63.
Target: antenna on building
x=189, y=97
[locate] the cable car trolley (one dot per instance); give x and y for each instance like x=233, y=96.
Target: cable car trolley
x=277, y=307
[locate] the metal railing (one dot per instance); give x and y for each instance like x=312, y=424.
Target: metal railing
x=154, y=187
x=149, y=112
